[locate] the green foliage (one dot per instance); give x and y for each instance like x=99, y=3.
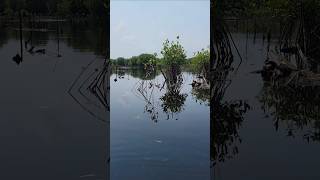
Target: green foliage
x=173, y=53
x=145, y=59
x=201, y=61
x=122, y=61
x=141, y=60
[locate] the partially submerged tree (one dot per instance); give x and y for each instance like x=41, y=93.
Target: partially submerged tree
x=174, y=56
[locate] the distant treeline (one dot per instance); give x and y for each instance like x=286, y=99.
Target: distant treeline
x=270, y=8
x=141, y=60
x=63, y=8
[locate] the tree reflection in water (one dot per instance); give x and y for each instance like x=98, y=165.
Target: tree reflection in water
x=91, y=89
x=295, y=108
x=171, y=102
x=145, y=90
x=226, y=116
x=291, y=80
x=201, y=95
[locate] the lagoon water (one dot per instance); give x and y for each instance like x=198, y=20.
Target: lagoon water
x=172, y=145
x=278, y=138
x=46, y=132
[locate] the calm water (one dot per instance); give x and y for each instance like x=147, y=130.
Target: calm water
x=44, y=133
x=53, y=127
x=172, y=145
x=278, y=138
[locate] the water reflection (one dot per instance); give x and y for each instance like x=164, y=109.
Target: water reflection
x=164, y=96
x=173, y=100
x=51, y=131
x=91, y=89
x=247, y=108
x=291, y=82
x=295, y=109
x=226, y=116
x=157, y=137
x=38, y=33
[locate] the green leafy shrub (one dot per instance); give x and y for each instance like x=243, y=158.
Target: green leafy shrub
x=201, y=61
x=173, y=53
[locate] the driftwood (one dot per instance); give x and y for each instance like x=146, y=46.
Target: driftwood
x=282, y=71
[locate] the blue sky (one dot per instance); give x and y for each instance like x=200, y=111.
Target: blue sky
x=141, y=26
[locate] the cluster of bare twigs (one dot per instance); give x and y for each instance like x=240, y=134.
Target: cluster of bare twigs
x=228, y=117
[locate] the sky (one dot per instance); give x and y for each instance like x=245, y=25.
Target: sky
x=141, y=26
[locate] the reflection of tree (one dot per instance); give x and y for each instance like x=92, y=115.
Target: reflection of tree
x=145, y=89
x=92, y=39
x=91, y=89
x=85, y=36
x=295, y=108
x=226, y=119
x=171, y=102
x=202, y=95
x=4, y=35
x=142, y=73
x=226, y=116
x=291, y=88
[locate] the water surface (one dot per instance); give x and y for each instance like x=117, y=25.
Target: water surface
x=150, y=140
x=278, y=137
x=44, y=132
